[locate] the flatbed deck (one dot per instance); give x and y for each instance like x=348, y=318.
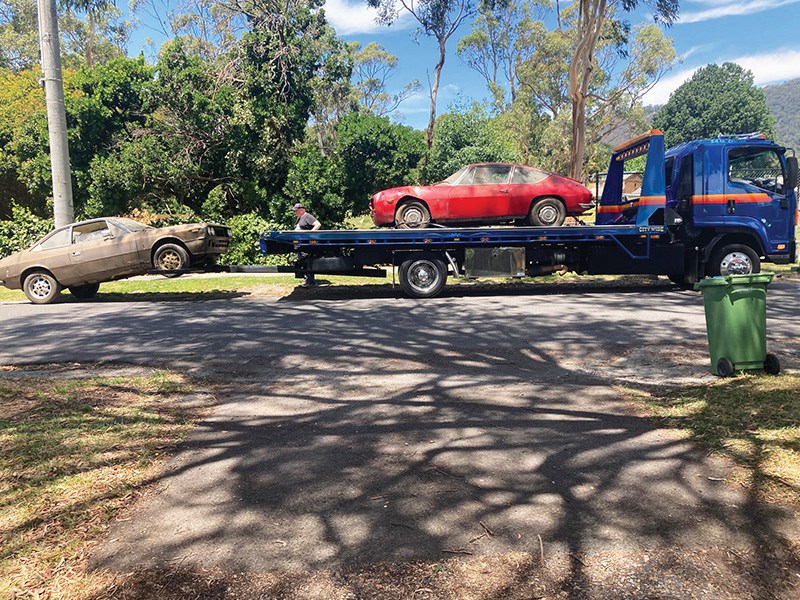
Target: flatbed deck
x=282, y=242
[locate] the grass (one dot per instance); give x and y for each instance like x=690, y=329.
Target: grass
x=72, y=454
x=752, y=419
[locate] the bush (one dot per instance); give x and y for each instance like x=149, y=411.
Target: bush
x=245, y=247
x=22, y=230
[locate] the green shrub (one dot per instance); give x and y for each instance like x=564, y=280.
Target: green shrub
x=245, y=247
x=22, y=230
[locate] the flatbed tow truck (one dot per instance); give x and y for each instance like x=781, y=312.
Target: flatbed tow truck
x=707, y=207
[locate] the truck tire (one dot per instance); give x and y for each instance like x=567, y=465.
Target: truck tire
x=549, y=212
x=413, y=214
x=734, y=259
x=84, y=292
x=171, y=257
x=423, y=276
x=41, y=287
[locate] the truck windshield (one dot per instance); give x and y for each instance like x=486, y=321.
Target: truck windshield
x=756, y=167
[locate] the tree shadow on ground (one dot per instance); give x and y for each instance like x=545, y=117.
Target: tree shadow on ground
x=397, y=430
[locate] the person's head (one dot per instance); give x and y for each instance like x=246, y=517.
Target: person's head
x=299, y=209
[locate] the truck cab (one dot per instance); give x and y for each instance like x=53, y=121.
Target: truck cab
x=734, y=192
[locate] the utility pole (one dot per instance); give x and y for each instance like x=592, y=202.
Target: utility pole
x=50, y=48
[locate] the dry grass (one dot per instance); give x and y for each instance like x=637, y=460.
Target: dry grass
x=72, y=454
x=752, y=419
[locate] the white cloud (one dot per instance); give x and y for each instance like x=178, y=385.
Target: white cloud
x=769, y=67
x=662, y=90
x=773, y=66
x=729, y=8
x=354, y=16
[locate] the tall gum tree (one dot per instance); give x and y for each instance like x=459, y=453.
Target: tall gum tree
x=439, y=19
x=590, y=21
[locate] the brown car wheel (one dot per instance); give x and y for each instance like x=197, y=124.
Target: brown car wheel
x=171, y=257
x=84, y=292
x=412, y=215
x=41, y=287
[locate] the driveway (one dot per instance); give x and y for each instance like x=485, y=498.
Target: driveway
x=357, y=429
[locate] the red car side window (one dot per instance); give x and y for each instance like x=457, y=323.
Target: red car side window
x=526, y=175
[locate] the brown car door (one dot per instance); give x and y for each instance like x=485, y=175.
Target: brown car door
x=99, y=255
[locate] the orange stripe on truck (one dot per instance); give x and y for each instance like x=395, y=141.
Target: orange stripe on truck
x=723, y=198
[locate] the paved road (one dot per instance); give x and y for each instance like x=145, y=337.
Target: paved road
x=355, y=428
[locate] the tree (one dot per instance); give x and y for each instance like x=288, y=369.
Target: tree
x=102, y=37
x=439, y=19
x=590, y=23
x=499, y=41
x=375, y=154
x=716, y=100
x=464, y=136
x=373, y=66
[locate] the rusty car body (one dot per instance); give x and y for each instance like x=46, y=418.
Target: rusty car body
x=80, y=256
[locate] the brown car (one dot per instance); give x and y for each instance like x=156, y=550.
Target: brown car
x=82, y=255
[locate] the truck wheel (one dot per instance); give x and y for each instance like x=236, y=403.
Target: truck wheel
x=171, y=257
x=772, y=366
x=724, y=367
x=423, y=276
x=549, y=212
x=84, y=292
x=734, y=259
x=41, y=287
x=412, y=215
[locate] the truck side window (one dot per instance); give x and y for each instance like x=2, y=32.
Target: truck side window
x=686, y=180
x=669, y=166
x=756, y=167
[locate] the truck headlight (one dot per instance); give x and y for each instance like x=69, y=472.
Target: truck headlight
x=210, y=231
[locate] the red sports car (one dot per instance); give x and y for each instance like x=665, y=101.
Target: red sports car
x=484, y=193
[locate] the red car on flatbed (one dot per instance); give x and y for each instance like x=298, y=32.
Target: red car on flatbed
x=484, y=194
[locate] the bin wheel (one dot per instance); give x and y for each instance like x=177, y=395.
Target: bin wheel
x=724, y=367
x=772, y=365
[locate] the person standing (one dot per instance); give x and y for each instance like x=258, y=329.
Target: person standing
x=306, y=222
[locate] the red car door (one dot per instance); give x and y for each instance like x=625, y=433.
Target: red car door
x=484, y=192
x=525, y=186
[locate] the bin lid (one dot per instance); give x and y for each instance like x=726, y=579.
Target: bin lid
x=756, y=278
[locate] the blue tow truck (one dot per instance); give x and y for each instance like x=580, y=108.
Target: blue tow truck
x=707, y=207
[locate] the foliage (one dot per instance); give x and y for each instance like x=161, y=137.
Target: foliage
x=102, y=36
x=373, y=67
x=595, y=24
x=22, y=230
x=376, y=154
x=784, y=102
x=464, y=137
x=438, y=19
x=246, y=231
x=317, y=182
x=716, y=100
x=20, y=97
x=499, y=42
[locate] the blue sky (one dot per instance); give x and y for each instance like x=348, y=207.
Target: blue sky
x=760, y=35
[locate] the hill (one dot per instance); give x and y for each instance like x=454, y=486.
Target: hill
x=784, y=102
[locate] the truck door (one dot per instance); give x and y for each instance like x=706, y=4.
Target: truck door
x=755, y=191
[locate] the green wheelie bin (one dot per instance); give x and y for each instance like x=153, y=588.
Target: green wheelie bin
x=736, y=323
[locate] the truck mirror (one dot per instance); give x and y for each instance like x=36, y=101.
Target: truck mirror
x=791, y=172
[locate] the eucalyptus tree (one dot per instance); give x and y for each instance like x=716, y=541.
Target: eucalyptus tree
x=373, y=67
x=590, y=23
x=502, y=38
x=438, y=19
